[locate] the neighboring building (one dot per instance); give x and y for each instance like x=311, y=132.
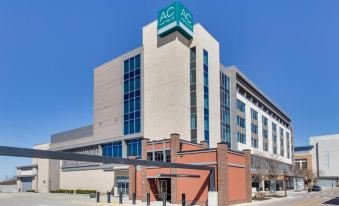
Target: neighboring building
x=173, y=83
x=303, y=170
x=303, y=157
x=320, y=160
x=325, y=158
x=26, y=178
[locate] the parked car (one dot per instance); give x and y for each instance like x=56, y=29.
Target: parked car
x=316, y=188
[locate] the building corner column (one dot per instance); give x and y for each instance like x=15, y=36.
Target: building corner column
x=175, y=148
x=145, y=186
x=248, y=174
x=222, y=170
x=132, y=179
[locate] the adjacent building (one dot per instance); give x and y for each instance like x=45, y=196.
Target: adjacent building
x=320, y=160
x=173, y=83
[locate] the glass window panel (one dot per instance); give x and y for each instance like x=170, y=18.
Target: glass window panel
x=137, y=61
x=137, y=83
x=126, y=66
x=131, y=64
x=137, y=125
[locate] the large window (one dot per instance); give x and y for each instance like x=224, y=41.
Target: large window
x=206, y=97
x=264, y=133
x=254, y=114
x=112, y=149
x=241, y=137
x=123, y=184
x=264, y=121
x=134, y=148
x=132, y=92
x=274, y=127
x=241, y=122
x=254, y=128
x=240, y=106
x=225, y=109
x=254, y=142
x=193, y=93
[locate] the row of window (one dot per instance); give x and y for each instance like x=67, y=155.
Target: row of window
x=206, y=97
x=225, y=109
x=159, y=156
x=193, y=93
x=132, y=95
x=115, y=149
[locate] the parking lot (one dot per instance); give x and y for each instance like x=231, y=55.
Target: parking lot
x=37, y=199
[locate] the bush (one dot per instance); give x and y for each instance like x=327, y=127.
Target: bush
x=30, y=191
x=79, y=191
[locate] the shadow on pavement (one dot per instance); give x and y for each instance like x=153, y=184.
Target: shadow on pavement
x=334, y=201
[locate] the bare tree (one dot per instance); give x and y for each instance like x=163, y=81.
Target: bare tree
x=259, y=167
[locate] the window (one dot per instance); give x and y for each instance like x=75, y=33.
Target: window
x=206, y=97
x=264, y=121
x=265, y=146
x=193, y=94
x=241, y=138
x=123, y=184
x=241, y=122
x=160, y=156
x=254, y=114
x=134, y=148
x=281, y=132
x=225, y=109
x=240, y=106
x=264, y=133
x=254, y=128
x=132, y=93
x=112, y=149
x=274, y=127
x=254, y=142
x=275, y=138
x=275, y=149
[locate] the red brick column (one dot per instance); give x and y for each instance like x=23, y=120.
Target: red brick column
x=132, y=179
x=175, y=147
x=222, y=170
x=145, y=186
x=248, y=174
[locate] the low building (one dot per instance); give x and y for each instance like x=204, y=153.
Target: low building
x=325, y=158
x=303, y=169
x=26, y=178
x=318, y=162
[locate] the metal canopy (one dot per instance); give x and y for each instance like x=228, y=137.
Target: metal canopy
x=45, y=154
x=159, y=176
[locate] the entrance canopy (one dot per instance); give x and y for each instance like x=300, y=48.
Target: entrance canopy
x=159, y=176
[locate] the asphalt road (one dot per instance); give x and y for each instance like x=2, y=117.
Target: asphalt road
x=324, y=198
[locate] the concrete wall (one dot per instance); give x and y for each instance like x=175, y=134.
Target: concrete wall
x=326, y=159
x=108, y=99
x=87, y=180
x=43, y=178
x=167, y=84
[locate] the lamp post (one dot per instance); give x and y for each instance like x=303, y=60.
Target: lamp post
x=285, y=176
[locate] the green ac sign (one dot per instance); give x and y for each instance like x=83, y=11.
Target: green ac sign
x=175, y=17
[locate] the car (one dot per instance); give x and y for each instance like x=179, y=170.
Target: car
x=316, y=188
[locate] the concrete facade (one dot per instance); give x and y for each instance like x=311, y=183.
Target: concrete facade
x=166, y=108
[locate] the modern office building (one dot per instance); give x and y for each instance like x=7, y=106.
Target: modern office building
x=173, y=83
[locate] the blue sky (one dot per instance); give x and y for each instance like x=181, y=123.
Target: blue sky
x=48, y=50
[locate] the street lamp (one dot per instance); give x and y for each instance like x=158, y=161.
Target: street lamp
x=285, y=176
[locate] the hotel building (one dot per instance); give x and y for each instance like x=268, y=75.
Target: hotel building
x=173, y=83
